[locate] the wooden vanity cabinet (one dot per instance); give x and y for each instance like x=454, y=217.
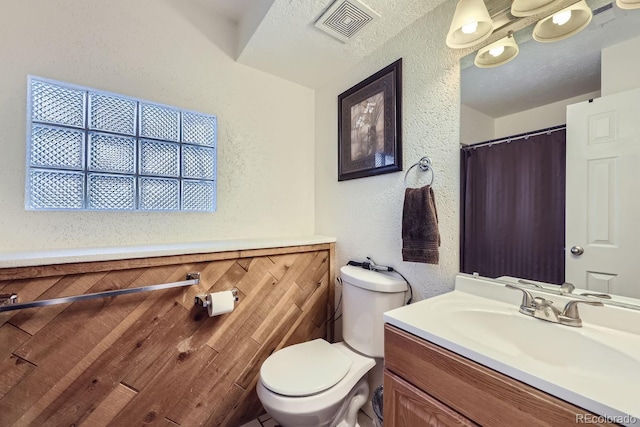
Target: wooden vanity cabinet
x=408, y=406
x=427, y=385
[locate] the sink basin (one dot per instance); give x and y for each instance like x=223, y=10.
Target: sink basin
x=596, y=367
x=558, y=348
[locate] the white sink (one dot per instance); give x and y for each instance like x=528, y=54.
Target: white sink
x=595, y=367
x=572, y=349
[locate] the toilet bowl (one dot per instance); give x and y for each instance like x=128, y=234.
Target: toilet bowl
x=321, y=384
x=311, y=395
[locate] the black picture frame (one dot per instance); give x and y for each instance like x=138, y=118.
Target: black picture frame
x=364, y=149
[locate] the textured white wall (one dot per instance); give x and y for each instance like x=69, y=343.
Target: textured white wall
x=175, y=53
x=365, y=214
x=475, y=126
x=621, y=67
x=546, y=116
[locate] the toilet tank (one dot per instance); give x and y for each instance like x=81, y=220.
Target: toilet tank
x=366, y=295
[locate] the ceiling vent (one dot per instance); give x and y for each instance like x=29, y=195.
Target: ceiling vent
x=344, y=18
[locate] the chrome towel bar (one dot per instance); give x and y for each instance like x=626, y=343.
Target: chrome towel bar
x=9, y=302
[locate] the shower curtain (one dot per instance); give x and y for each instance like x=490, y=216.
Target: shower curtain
x=513, y=208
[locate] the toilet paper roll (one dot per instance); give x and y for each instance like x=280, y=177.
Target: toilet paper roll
x=220, y=303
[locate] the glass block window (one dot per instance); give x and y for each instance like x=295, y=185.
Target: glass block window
x=92, y=150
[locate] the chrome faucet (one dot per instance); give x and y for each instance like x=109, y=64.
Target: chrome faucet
x=527, y=306
x=525, y=282
x=567, y=287
x=542, y=308
x=589, y=294
x=545, y=310
x=570, y=315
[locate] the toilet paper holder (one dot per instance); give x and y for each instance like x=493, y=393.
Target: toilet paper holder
x=201, y=300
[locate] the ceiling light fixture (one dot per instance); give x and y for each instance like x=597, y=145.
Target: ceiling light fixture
x=563, y=24
x=470, y=28
x=522, y=8
x=497, y=53
x=561, y=18
x=471, y=24
x=628, y=4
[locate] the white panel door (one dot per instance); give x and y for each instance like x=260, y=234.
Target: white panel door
x=603, y=194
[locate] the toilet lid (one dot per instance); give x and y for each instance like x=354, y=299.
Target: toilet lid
x=304, y=369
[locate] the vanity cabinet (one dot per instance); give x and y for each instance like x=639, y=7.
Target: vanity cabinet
x=408, y=406
x=427, y=385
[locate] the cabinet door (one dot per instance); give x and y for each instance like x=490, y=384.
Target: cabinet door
x=407, y=406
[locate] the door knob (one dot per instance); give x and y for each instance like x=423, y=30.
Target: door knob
x=577, y=250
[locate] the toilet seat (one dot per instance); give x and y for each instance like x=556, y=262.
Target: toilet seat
x=304, y=369
x=321, y=408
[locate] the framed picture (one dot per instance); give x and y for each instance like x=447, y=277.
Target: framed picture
x=370, y=125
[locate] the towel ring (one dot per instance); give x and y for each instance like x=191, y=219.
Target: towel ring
x=425, y=165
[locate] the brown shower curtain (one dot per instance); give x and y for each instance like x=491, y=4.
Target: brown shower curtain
x=513, y=208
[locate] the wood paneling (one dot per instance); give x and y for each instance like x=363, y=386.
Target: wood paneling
x=154, y=358
x=478, y=393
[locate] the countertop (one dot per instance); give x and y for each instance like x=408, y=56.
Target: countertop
x=66, y=256
x=425, y=320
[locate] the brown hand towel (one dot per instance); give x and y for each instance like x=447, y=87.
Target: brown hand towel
x=420, y=235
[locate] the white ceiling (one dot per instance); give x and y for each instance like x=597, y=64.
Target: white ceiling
x=279, y=37
x=233, y=10
x=284, y=42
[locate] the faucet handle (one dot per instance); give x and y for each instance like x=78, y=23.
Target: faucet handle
x=603, y=296
x=528, y=304
x=567, y=287
x=526, y=282
x=571, y=309
x=570, y=315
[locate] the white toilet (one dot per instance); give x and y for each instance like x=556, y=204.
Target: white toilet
x=321, y=384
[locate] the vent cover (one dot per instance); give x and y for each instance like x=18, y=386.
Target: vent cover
x=344, y=18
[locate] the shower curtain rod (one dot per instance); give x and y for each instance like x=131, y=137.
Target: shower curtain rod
x=514, y=137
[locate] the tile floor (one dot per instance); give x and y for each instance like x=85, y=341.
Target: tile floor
x=266, y=421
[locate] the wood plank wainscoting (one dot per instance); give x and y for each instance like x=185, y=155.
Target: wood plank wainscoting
x=154, y=358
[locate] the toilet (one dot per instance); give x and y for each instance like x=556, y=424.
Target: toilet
x=316, y=383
